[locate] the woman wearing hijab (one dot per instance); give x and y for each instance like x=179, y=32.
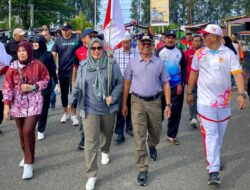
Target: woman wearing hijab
x=97, y=104
x=40, y=52
x=4, y=65
x=22, y=98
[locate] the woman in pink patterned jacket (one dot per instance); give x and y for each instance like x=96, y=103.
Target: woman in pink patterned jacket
x=22, y=98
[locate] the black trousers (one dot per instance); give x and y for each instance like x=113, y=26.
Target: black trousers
x=1, y=107
x=121, y=121
x=66, y=87
x=44, y=115
x=176, y=109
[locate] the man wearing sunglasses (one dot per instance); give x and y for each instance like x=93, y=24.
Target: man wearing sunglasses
x=175, y=64
x=212, y=66
x=81, y=54
x=146, y=77
x=122, y=56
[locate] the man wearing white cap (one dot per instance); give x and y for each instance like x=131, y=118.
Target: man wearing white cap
x=122, y=56
x=213, y=66
x=18, y=34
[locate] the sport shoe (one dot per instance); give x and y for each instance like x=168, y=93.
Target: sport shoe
x=194, y=123
x=1, y=132
x=27, y=171
x=40, y=136
x=21, y=164
x=105, y=158
x=90, y=185
x=142, y=178
x=64, y=118
x=153, y=153
x=74, y=120
x=214, y=178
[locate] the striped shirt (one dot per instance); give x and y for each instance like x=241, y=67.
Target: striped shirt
x=146, y=77
x=123, y=57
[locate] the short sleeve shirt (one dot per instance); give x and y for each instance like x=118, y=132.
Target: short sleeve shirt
x=66, y=49
x=214, y=81
x=146, y=77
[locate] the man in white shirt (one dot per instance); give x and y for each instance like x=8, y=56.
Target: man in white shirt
x=213, y=66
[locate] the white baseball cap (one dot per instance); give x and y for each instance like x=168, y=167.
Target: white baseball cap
x=127, y=36
x=18, y=31
x=212, y=29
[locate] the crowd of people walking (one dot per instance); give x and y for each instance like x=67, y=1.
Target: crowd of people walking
x=132, y=90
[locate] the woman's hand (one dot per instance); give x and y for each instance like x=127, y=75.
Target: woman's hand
x=6, y=112
x=26, y=87
x=109, y=100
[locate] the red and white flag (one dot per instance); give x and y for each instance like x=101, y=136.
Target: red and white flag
x=114, y=22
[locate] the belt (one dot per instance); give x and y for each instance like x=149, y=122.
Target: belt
x=149, y=98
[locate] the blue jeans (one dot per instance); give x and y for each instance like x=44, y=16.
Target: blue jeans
x=53, y=94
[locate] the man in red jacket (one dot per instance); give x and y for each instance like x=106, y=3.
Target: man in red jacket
x=189, y=53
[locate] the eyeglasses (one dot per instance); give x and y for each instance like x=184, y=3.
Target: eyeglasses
x=96, y=48
x=146, y=44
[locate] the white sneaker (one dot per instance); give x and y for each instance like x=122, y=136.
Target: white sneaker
x=105, y=158
x=64, y=118
x=74, y=120
x=40, y=136
x=27, y=171
x=194, y=123
x=21, y=164
x=90, y=185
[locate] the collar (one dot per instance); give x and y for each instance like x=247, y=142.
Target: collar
x=151, y=60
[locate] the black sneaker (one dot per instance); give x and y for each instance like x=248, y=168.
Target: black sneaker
x=1, y=132
x=130, y=133
x=153, y=153
x=80, y=145
x=214, y=178
x=142, y=178
x=120, y=139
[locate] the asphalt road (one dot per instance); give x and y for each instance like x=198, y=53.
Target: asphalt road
x=59, y=167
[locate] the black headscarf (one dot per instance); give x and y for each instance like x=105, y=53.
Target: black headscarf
x=37, y=53
x=229, y=44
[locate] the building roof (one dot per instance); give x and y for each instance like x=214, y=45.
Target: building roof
x=238, y=19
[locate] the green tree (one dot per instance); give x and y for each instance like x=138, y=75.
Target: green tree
x=135, y=4
x=45, y=11
x=145, y=7
x=87, y=7
x=80, y=22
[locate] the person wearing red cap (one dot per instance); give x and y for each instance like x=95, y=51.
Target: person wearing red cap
x=213, y=66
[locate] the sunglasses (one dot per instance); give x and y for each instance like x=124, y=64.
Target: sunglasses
x=146, y=43
x=96, y=48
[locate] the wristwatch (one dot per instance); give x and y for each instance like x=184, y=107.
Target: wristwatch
x=243, y=95
x=169, y=105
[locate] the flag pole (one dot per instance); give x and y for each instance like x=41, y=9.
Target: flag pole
x=109, y=53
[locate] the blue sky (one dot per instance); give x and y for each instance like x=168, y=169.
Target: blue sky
x=125, y=5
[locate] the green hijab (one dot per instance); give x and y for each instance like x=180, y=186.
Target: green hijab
x=96, y=66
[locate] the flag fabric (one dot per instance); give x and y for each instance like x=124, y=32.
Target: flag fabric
x=114, y=22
